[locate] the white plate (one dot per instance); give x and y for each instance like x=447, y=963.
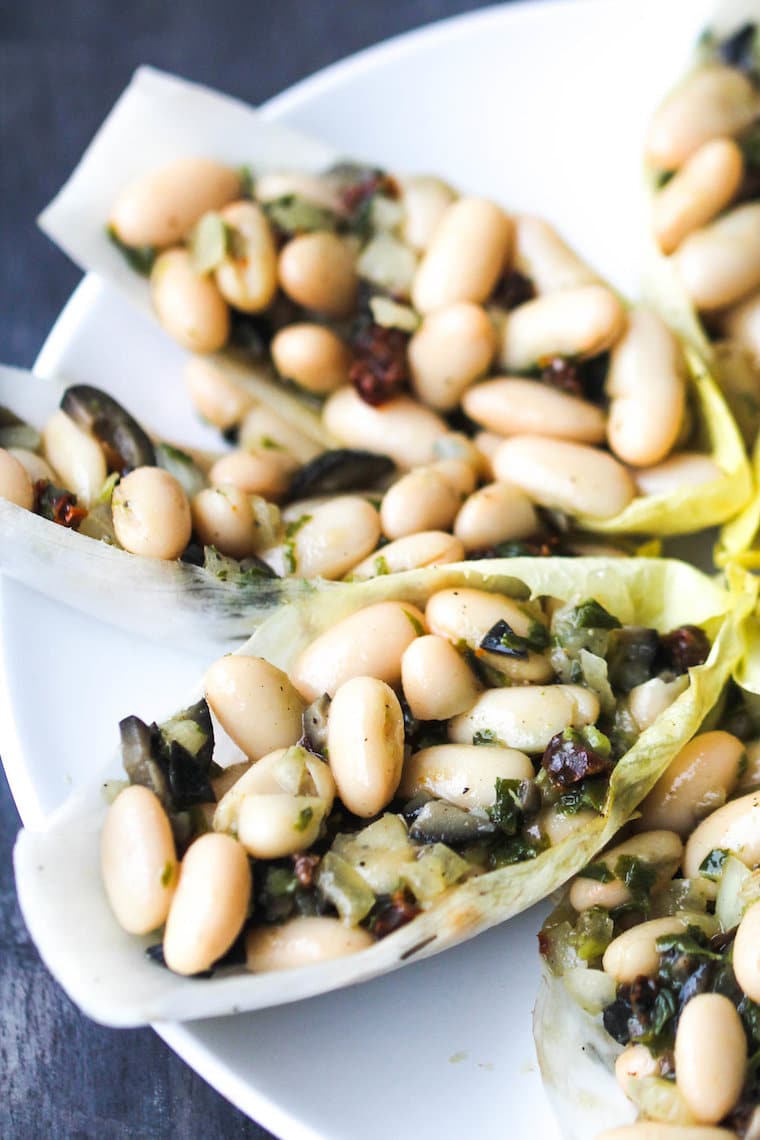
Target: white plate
x=544, y=107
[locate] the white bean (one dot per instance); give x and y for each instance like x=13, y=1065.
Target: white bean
x=647, y=701
x=720, y=263
x=425, y=200
x=402, y=429
x=247, y=277
x=75, y=456
x=463, y=774
x=370, y=642
x=223, y=517
x=511, y=406
x=452, y=348
x=437, y=682
x=575, y=323
x=458, y=473
x=138, y=860
x=365, y=740
x=263, y=428
x=215, y=396
x=571, y=477
x=713, y=101
x=334, y=538
x=742, y=325
x=660, y=850
x=15, y=484
x=652, y=1130
x=685, y=469
x=420, y=500
x=526, y=717
x=634, y=952
x=428, y=548
x=292, y=770
x=710, y=1056
x=735, y=827
x=270, y=826
x=255, y=702
x=312, y=188
x=495, y=513
x=303, y=941
x=466, y=255
x=261, y=471
x=151, y=514
x=312, y=356
x=700, y=778
x=706, y=183
x=646, y=384
x=318, y=271
x=747, y=952
x=37, y=468
x=210, y=905
x=455, y=445
x=559, y=826
x=160, y=207
x=542, y=255
x=188, y=305
x=633, y=1063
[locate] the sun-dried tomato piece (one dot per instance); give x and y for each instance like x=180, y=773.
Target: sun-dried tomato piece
x=58, y=505
x=569, y=759
x=379, y=368
x=563, y=374
x=513, y=289
x=304, y=867
x=396, y=912
x=683, y=648
x=354, y=196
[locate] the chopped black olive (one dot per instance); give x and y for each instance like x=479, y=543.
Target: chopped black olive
x=344, y=469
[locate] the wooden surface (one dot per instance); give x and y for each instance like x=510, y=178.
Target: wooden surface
x=62, y=65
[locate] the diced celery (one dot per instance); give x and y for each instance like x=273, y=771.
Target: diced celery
x=341, y=885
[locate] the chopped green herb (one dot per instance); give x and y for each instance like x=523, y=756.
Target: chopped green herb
x=246, y=181
x=289, y=546
x=506, y=812
x=416, y=624
x=381, y=566
x=485, y=736
x=141, y=258
x=305, y=816
x=167, y=874
x=712, y=865
x=598, y=871
x=590, y=615
x=270, y=444
x=586, y=794
x=638, y=876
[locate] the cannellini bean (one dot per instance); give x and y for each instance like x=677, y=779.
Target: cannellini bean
x=255, y=702
x=160, y=207
x=633, y=1063
x=365, y=740
x=458, y=473
x=542, y=255
x=710, y=1056
x=660, y=850
x=558, y=826
x=706, y=183
x=567, y=476
x=735, y=827
x=747, y=952
x=452, y=348
x=215, y=396
x=742, y=324
x=652, y=1130
x=247, y=277
x=370, y=642
x=263, y=472
x=151, y=514
x=263, y=428
x=488, y=443
x=467, y=253
x=402, y=429
x=292, y=770
x=223, y=517
x=712, y=102
x=270, y=826
x=311, y=187
x=312, y=356
x=437, y=682
x=465, y=616
x=428, y=548
x=138, y=860
x=577, y=323
x=510, y=406
x=526, y=717
x=463, y=774
x=699, y=780
x=334, y=538
x=750, y=777
x=646, y=702
x=425, y=200
x=686, y=469
x=634, y=952
x=303, y=941
x=210, y=904
x=495, y=513
x=188, y=305
x=75, y=456
x=15, y=484
x=646, y=384
x=455, y=445
x=420, y=500
x=720, y=263
x=318, y=271
x=35, y=466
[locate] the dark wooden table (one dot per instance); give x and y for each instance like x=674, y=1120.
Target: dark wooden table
x=62, y=65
